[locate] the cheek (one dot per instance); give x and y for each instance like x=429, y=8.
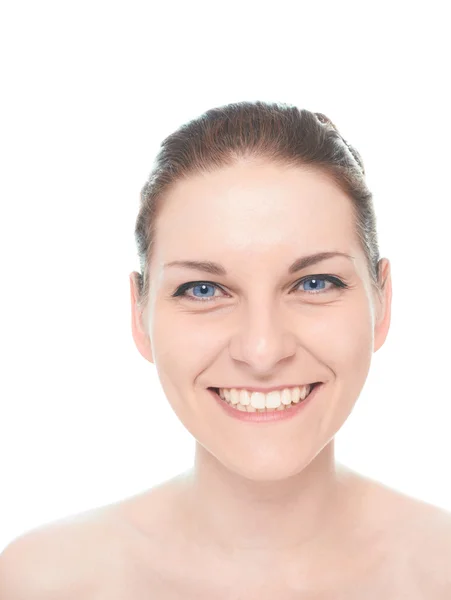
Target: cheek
x=346, y=349
x=187, y=336
x=182, y=344
x=350, y=336
x=340, y=337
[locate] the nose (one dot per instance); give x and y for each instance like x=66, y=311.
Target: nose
x=263, y=339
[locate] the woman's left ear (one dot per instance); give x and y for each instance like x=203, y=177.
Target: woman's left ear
x=383, y=304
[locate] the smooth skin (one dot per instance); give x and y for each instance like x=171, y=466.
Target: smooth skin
x=265, y=512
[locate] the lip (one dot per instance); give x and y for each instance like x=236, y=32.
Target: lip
x=265, y=417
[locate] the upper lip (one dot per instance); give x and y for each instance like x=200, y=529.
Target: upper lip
x=262, y=389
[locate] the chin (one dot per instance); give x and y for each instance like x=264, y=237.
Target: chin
x=267, y=469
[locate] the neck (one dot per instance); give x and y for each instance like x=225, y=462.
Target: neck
x=273, y=519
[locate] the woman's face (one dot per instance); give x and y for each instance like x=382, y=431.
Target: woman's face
x=259, y=325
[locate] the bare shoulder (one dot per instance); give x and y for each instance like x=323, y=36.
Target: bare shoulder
x=69, y=558
x=112, y=551
x=431, y=550
x=155, y=512
x=418, y=539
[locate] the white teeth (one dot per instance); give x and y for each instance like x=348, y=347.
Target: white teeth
x=234, y=396
x=245, y=400
x=258, y=400
x=296, y=394
x=273, y=399
x=286, y=396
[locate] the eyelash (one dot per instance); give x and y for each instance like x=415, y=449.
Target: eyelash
x=181, y=291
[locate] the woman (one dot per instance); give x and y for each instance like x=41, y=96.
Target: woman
x=261, y=300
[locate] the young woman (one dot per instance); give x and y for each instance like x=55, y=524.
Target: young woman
x=261, y=300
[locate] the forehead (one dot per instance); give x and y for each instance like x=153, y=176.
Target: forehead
x=252, y=207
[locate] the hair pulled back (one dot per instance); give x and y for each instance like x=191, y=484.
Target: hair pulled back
x=279, y=132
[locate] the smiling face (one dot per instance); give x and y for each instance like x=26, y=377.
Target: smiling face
x=260, y=325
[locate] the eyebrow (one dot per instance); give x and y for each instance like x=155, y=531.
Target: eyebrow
x=217, y=269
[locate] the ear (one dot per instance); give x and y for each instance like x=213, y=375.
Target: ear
x=140, y=334
x=383, y=304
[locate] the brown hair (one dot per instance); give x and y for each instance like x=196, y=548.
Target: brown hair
x=279, y=132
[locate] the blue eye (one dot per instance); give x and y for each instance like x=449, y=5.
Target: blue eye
x=315, y=281
x=203, y=287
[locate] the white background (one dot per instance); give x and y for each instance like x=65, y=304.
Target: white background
x=90, y=88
